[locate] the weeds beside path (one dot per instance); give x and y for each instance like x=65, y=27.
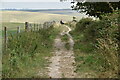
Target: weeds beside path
x=28, y=53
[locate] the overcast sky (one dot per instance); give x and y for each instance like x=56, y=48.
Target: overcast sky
x=30, y=0
x=56, y=0
x=37, y=5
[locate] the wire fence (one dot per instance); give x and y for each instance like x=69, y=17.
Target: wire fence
x=26, y=28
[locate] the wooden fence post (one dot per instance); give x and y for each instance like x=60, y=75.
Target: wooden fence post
x=37, y=27
x=18, y=29
x=26, y=26
x=34, y=27
x=42, y=26
x=5, y=37
x=30, y=27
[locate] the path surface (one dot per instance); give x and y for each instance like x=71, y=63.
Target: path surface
x=62, y=61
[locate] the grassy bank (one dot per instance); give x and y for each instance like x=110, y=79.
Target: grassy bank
x=96, y=47
x=89, y=64
x=28, y=53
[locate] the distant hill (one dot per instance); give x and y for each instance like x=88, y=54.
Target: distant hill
x=41, y=16
x=35, y=10
x=52, y=11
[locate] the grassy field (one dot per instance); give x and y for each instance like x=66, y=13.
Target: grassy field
x=12, y=27
x=23, y=16
x=13, y=19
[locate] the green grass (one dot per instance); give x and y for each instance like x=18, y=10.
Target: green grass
x=67, y=45
x=86, y=58
x=11, y=27
x=28, y=53
x=89, y=61
x=65, y=38
x=81, y=44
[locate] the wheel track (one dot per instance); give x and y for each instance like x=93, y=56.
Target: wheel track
x=62, y=61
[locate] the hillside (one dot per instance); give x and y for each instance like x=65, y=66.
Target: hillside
x=23, y=16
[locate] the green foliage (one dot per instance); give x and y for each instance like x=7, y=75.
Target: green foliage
x=83, y=24
x=71, y=24
x=96, y=9
x=65, y=38
x=90, y=63
x=100, y=41
x=85, y=35
x=108, y=42
x=74, y=19
x=26, y=52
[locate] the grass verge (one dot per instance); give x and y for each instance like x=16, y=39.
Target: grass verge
x=65, y=38
x=28, y=53
x=89, y=63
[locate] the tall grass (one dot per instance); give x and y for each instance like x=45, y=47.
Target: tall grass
x=96, y=45
x=27, y=54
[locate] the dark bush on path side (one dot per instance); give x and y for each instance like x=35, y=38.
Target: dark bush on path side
x=100, y=37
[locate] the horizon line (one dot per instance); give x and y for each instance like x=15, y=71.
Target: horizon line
x=32, y=8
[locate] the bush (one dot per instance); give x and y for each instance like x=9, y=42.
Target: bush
x=100, y=36
x=108, y=42
x=83, y=24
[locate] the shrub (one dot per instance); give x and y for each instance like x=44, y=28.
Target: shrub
x=101, y=36
x=83, y=24
x=108, y=42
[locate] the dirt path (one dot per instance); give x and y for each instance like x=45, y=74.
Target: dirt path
x=62, y=61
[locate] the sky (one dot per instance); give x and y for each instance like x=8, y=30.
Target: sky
x=30, y=0
x=33, y=4
x=57, y=0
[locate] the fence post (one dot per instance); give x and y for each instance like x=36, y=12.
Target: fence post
x=5, y=37
x=30, y=27
x=18, y=29
x=37, y=27
x=26, y=26
x=34, y=27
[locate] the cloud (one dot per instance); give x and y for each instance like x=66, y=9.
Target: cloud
x=30, y=0
x=36, y=5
